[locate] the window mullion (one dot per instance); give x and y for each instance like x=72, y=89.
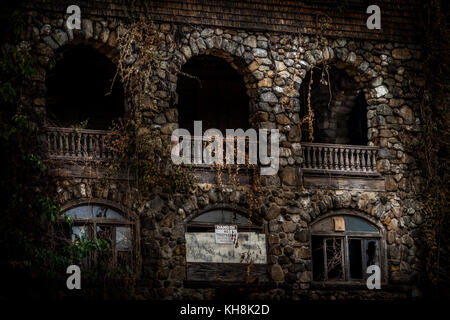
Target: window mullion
x=363, y=257
x=325, y=260
x=346, y=260
x=341, y=240
x=113, y=245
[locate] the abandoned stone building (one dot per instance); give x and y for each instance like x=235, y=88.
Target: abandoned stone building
x=343, y=198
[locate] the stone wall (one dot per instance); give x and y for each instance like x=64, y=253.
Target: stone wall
x=273, y=66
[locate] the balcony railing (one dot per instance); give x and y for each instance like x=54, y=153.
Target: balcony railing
x=339, y=159
x=203, y=142
x=76, y=144
x=85, y=144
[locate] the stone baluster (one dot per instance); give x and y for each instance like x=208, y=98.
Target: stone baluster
x=364, y=157
x=330, y=159
x=347, y=165
x=48, y=142
x=65, y=150
x=357, y=167
x=369, y=160
x=61, y=144
x=313, y=151
x=319, y=158
x=374, y=161
x=336, y=158
x=351, y=154
x=308, y=156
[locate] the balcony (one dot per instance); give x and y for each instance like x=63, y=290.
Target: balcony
x=74, y=144
x=339, y=166
x=324, y=165
x=339, y=159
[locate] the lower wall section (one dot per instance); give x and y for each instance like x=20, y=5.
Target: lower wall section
x=227, y=272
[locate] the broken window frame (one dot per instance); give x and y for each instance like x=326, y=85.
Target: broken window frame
x=345, y=237
x=92, y=223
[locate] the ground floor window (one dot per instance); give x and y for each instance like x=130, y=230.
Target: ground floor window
x=343, y=247
x=223, y=245
x=108, y=232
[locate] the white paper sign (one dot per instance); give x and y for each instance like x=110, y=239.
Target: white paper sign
x=226, y=234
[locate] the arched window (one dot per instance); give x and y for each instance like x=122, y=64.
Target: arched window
x=78, y=90
x=343, y=246
x=95, y=222
x=339, y=106
x=221, y=244
x=210, y=90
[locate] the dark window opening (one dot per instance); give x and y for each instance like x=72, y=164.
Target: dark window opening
x=78, y=87
x=355, y=256
x=216, y=95
x=357, y=121
x=317, y=259
x=371, y=247
x=339, y=106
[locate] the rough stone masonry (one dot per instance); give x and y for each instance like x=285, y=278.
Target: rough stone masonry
x=273, y=66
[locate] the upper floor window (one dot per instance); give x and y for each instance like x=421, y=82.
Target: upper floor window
x=343, y=246
x=339, y=106
x=78, y=90
x=99, y=222
x=210, y=90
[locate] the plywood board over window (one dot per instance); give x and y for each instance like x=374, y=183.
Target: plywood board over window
x=243, y=260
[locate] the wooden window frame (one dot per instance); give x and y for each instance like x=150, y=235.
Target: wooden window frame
x=346, y=236
x=127, y=220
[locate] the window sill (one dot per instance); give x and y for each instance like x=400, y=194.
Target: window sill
x=341, y=285
x=228, y=284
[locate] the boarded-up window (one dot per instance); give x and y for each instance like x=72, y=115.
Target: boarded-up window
x=210, y=257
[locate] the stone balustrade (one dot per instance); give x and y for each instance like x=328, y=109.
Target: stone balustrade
x=76, y=144
x=339, y=159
